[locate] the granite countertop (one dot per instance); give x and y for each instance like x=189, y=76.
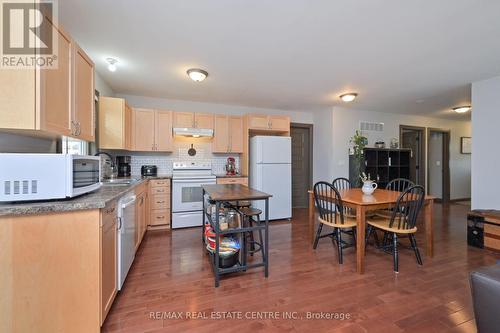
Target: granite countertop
x=230, y=176
x=93, y=200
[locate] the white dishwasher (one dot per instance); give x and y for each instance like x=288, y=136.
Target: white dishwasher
x=126, y=236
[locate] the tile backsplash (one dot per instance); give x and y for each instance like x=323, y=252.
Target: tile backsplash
x=164, y=161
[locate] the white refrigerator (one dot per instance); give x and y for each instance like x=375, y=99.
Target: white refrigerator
x=271, y=172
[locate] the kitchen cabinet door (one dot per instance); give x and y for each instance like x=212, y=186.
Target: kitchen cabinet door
x=140, y=219
x=258, y=121
x=183, y=119
x=128, y=133
x=204, y=120
x=163, y=131
x=55, y=89
x=220, y=143
x=144, y=129
x=109, y=259
x=279, y=123
x=235, y=134
x=83, y=95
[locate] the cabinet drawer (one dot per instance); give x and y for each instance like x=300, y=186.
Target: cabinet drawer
x=160, y=190
x=492, y=229
x=159, y=182
x=160, y=201
x=160, y=217
x=241, y=180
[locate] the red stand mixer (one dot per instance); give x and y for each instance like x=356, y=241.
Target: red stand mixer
x=230, y=166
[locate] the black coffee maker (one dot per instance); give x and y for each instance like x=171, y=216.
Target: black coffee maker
x=123, y=164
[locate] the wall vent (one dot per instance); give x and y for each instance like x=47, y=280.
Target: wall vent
x=16, y=186
x=367, y=126
x=34, y=186
x=25, y=186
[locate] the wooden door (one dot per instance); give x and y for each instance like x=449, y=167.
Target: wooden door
x=109, y=284
x=204, y=120
x=236, y=134
x=183, y=119
x=258, y=121
x=163, y=131
x=55, y=89
x=127, y=133
x=301, y=165
x=144, y=129
x=279, y=123
x=83, y=84
x=220, y=143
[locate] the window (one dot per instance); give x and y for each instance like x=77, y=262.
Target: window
x=73, y=146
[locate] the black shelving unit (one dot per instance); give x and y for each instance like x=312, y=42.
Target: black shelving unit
x=382, y=165
x=242, y=264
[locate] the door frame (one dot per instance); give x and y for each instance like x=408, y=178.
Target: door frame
x=423, y=148
x=446, y=160
x=310, y=127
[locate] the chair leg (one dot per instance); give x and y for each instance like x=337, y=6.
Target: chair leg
x=318, y=234
x=261, y=239
x=354, y=236
x=386, y=236
x=368, y=233
x=375, y=237
x=339, y=245
x=252, y=240
x=395, y=252
x=413, y=242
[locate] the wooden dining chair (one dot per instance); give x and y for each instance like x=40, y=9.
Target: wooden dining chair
x=331, y=213
x=342, y=184
x=402, y=222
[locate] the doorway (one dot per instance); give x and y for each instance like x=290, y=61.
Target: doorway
x=413, y=138
x=302, y=159
x=438, y=163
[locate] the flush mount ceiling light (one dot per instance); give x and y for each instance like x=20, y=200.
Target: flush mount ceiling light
x=462, y=109
x=111, y=64
x=197, y=74
x=349, y=97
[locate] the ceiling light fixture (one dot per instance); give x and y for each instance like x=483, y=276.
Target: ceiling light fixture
x=111, y=64
x=197, y=74
x=462, y=109
x=349, y=97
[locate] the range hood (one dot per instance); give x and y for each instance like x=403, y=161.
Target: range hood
x=194, y=132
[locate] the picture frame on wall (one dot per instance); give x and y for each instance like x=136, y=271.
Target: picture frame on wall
x=465, y=145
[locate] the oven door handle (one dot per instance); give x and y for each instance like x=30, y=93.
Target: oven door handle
x=191, y=181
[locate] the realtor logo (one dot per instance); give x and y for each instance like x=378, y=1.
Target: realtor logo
x=28, y=39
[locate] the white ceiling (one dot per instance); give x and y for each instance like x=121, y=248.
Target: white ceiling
x=400, y=56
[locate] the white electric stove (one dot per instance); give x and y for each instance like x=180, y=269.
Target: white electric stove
x=187, y=194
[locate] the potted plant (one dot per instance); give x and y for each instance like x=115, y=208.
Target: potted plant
x=358, y=142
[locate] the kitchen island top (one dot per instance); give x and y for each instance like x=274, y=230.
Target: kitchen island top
x=233, y=192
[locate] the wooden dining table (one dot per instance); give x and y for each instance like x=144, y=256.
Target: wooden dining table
x=380, y=199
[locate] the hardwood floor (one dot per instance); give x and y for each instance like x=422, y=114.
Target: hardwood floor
x=171, y=273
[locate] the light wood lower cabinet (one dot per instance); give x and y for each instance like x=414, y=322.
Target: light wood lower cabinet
x=159, y=195
x=109, y=258
x=140, y=214
x=233, y=180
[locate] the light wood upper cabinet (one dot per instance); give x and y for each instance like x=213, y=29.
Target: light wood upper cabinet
x=228, y=134
x=269, y=123
x=183, y=119
x=53, y=101
x=109, y=258
x=55, y=89
x=193, y=120
x=115, y=124
x=279, y=123
x=235, y=134
x=220, y=143
x=258, y=121
x=163, y=130
x=144, y=129
x=152, y=130
x=83, y=95
x=204, y=120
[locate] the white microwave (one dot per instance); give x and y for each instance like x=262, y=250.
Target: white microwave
x=25, y=177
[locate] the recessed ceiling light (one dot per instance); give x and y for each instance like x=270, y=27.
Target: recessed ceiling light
x=111, y=64
x=197, y=74
x=349, y=97
x=462, y=109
